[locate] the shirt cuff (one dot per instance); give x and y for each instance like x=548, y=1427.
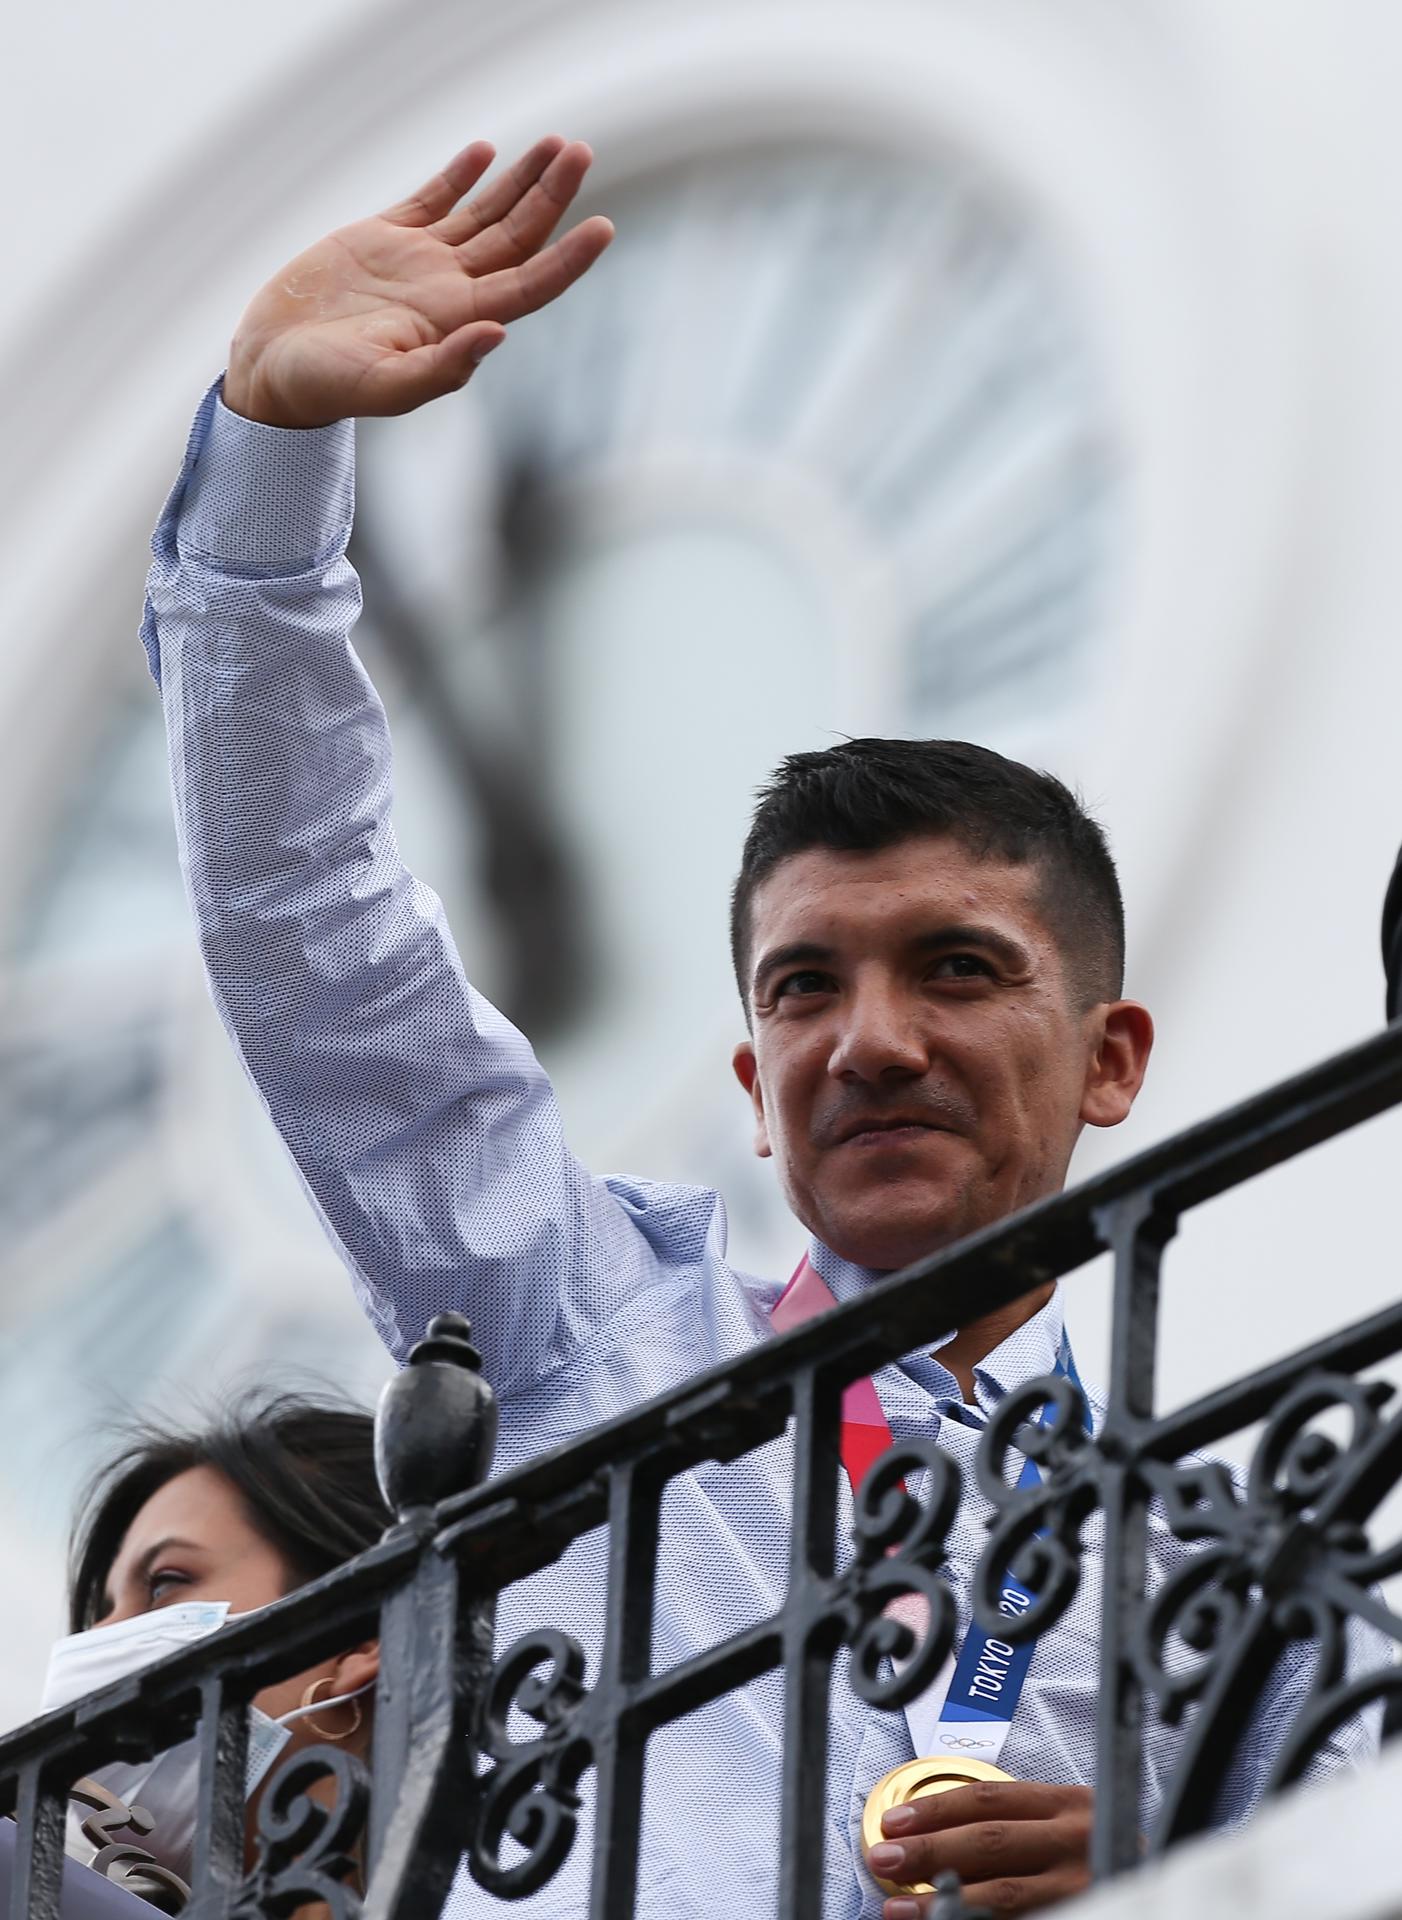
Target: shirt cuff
x=268, y=498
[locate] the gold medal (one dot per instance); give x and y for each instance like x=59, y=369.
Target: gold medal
x=915, y=1780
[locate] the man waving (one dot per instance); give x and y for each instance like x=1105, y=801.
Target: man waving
x=928, y=944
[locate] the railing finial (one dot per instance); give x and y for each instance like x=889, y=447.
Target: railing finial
x=436, y=1425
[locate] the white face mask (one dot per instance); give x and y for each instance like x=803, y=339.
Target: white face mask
x=166, y=1786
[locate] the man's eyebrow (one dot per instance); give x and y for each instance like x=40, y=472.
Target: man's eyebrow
x=807, y=952
x=1006, y=949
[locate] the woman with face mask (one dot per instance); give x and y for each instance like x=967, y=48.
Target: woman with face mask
x=182, y=1530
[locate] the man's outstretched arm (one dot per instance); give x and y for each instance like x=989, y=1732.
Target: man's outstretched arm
x=420, y=1120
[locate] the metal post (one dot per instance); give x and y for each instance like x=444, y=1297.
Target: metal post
x=1138, y=1232
x=808, y=1665
x=435, y=1431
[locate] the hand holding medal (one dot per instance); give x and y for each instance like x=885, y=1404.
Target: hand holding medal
x=1017, y=1846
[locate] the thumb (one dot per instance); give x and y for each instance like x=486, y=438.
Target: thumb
x=400, y=382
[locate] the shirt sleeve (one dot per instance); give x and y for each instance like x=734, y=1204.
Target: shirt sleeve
x=422, y=1125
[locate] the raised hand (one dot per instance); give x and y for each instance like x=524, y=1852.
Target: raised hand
x=386, y=314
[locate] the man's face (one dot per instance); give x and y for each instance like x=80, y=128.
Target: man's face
x=919, y=1067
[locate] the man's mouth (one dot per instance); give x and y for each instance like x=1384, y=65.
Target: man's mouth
x=888, y=1130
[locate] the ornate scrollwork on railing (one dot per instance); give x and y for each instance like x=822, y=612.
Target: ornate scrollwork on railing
x=122, y=1861
x=1324, y=1716
x=1193, y=1619
x=898, y=1615
x=1285, y=1563
x=1036, y=1532
x=1296, y=1465
x=307, y=1847
x=531, y=1797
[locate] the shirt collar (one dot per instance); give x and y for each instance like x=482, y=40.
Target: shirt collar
x=1029, y=1351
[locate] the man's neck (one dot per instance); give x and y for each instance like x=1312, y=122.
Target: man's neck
x=976, y=1341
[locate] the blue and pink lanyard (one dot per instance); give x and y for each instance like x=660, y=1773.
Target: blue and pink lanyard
x=969, y=1709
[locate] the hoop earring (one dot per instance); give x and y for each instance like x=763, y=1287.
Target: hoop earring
x=309, y=1696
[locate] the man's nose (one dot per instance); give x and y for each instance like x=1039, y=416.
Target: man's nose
x=881, y=1038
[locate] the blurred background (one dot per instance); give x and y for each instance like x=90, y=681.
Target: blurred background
x=1019, y=371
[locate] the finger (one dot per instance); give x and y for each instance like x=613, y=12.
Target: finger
x=1011, y=1894
x=402, y=381
x=499, y=198
x=1029, y=1893
x=982, y=1800
x=544, y=277
x=525, y=227
x=983, y=1852
x=442, y=193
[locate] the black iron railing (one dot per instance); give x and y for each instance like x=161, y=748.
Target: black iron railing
x=1289, y=1558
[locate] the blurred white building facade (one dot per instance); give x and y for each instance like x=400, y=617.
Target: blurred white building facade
x=987, y=370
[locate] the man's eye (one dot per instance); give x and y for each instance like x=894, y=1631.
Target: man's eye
x=962, y=966
x=798, y=985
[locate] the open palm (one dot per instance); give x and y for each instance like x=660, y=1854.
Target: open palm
x=393, y=311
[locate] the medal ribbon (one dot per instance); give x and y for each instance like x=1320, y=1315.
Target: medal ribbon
x=969, y=1710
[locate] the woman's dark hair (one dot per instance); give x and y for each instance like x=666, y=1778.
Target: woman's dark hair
x=303, y=1467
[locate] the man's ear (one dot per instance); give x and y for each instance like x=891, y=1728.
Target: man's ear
x=1118, y=1062
x=747, y=1073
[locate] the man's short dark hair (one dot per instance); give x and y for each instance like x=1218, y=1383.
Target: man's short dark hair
x=865, y=795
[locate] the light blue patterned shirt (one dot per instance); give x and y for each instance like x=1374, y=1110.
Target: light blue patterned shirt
x=429, y=1140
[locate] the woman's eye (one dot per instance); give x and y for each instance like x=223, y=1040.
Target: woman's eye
x=165, y=1581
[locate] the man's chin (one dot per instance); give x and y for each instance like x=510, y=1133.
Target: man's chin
x=885, y=1245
